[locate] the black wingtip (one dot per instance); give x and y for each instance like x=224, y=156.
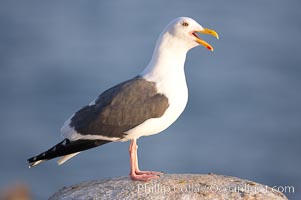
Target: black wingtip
x=63, y=148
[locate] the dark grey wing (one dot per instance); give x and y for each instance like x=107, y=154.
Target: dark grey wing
x=120, y=109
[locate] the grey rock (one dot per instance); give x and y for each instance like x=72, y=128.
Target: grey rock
x=170, y=186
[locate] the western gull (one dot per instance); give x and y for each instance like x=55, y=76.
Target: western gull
x=144, y=105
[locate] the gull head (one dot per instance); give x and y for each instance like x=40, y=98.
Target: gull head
x=183, y=32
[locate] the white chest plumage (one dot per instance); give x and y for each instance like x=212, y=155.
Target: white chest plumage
x=174, y=87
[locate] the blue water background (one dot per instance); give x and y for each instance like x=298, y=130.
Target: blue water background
x=244, y=113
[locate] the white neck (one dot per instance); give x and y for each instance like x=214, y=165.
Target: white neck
x=168, y=59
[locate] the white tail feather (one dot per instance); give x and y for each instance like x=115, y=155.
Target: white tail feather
x=35, y=163
x=63, y=159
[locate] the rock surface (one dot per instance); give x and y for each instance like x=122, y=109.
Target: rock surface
x=170, y=186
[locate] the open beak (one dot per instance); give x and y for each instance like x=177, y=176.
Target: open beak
x=202, y=42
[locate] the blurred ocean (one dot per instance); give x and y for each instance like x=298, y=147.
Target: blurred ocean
x=244, y=113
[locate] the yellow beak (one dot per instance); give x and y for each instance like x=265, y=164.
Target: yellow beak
x=202, y=42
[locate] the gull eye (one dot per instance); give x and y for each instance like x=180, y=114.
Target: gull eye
x=185, y=24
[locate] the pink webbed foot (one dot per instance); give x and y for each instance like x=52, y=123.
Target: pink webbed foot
x=149, y=173
x=143, y=177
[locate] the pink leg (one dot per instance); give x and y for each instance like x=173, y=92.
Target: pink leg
x=138, y=171
x=135, y=173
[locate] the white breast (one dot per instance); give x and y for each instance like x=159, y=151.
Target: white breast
x=174, y=87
